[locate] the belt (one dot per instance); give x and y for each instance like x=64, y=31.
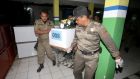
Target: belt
x=88, y=53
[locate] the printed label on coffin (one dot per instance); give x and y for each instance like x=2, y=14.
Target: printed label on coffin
x=56, y=35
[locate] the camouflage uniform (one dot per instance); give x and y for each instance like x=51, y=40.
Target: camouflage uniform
x=43, y=41
x=88, y=40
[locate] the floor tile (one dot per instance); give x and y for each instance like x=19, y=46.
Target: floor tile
x=10, y=77
x=44, y=71
x=46, y=76
x=67, y=72
x=32, y=73
x=69, y=77
x=57, y=75
x=21, y=76
x=54, y=69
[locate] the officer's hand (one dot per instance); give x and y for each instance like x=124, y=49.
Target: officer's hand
x=75, y=48
x=69, y=50
x=119, y=65
x=119, y=62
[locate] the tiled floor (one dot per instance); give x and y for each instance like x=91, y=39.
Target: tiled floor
x=26, y=69
x=131, y=64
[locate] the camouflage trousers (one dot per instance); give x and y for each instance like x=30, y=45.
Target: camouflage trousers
x=43, y=46
x=85, y=62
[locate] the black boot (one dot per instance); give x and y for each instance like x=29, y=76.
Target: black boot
x=40, y=67
x=54, y=62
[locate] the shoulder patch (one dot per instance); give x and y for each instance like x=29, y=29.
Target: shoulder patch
x=37, y=21
x=92, y=29
x=97, y=25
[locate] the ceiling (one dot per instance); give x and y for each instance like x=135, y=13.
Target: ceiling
x=97, y=3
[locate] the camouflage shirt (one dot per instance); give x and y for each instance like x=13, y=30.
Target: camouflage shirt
x=89, y=39
x=40, y=25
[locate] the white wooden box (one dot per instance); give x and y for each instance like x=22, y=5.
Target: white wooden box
x=25, y=40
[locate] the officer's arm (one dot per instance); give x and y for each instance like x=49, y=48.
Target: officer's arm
x=108, y=41
x=50, y=25
x=74, y=43
x=46, y=31
x=36, y=29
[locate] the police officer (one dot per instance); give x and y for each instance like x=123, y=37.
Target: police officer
x=42, y=29
x=87, y=40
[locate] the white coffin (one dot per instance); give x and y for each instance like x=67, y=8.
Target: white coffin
x=61, y=37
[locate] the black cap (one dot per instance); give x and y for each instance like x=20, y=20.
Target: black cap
x=80, y=11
